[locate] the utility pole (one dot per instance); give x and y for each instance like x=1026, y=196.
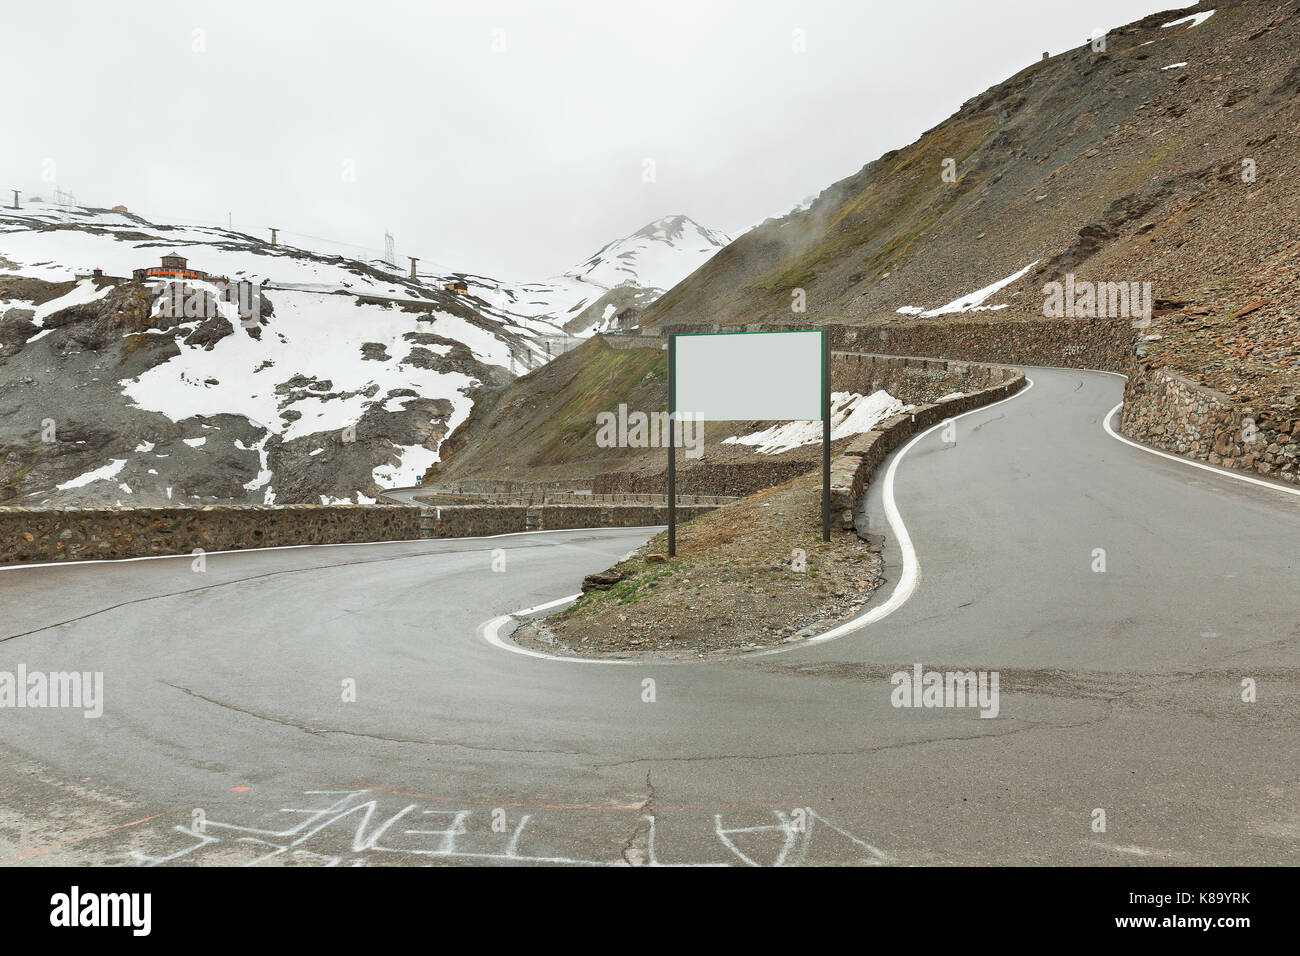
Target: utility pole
x=413, y=262
x=390, y=248
x=230, y=222
x=274, y=230
x=16, y=192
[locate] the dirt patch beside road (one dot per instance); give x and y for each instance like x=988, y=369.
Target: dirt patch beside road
x=735, y=585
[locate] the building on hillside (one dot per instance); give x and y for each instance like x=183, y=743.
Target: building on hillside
x=459, y=287
x=627, y=318
x=100, y=278
x=173, y=267
x=120, y=209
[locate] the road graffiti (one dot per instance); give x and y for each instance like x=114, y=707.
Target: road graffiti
x=361, y=827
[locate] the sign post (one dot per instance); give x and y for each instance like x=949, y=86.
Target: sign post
x=826, y=437
x=672, y=445
x=749, y=376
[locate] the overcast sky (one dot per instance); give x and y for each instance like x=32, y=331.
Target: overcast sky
x=504, y=138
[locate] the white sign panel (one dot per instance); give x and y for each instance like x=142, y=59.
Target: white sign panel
x=750, y=376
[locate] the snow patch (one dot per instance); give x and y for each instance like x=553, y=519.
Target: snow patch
x=1195, y=20
x=99, y=474
x=973, y=301
x=80, y=294
x=851, y=414
x=413, y=462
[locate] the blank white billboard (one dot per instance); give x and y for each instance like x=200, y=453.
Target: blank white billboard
x=750, y=376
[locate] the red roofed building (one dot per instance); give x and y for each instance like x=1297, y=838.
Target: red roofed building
x=173, y=267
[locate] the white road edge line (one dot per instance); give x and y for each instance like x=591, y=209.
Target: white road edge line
x=1274, y=486
x=903, y=590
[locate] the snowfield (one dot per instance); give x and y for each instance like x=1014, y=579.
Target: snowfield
x=851, y=414
x=312, y=334
x=656, y=257
x=266, y=404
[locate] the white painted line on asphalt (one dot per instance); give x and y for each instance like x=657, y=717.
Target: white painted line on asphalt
x=1227, y=473
x=907, y=582
x=492, y=634
x=550, y=604
x=1271, y=485
x=911, y=575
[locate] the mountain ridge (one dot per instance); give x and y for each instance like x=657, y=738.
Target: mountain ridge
x=347, y=381
x=1107, y=165
x=1124, y=164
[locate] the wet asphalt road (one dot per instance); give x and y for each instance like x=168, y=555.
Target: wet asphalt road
x=229, y=736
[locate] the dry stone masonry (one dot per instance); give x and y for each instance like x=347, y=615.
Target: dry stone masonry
x=462, y=521
x=1162, y=408
x=37, y=535
x=851, y=472
x=1168, y=411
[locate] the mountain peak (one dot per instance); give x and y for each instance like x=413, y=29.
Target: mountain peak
x=677, y=227
x=656, y=256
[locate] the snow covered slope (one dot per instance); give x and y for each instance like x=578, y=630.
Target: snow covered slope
x=634, y=270
x=851, y=414
x=343, y=382
x=657, y=256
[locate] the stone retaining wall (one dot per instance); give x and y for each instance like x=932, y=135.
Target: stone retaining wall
x=467, y=521
x=1075, y=343
x=1161, y=408
x=470, y=521
x=851, y=471
x=36, y=535
x=437, y=499
x=569, y=516
x=914, y=380
x=40, y=535
x=492, y=486
x=708, y=478
x=1105, y=344
x=1168, y=411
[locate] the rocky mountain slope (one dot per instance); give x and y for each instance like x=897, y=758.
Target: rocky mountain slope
x=1170, y=156
x=345, y=381
x=594, y=417
x=1166, y=154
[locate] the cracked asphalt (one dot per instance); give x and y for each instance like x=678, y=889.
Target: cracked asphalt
x=230, y=733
